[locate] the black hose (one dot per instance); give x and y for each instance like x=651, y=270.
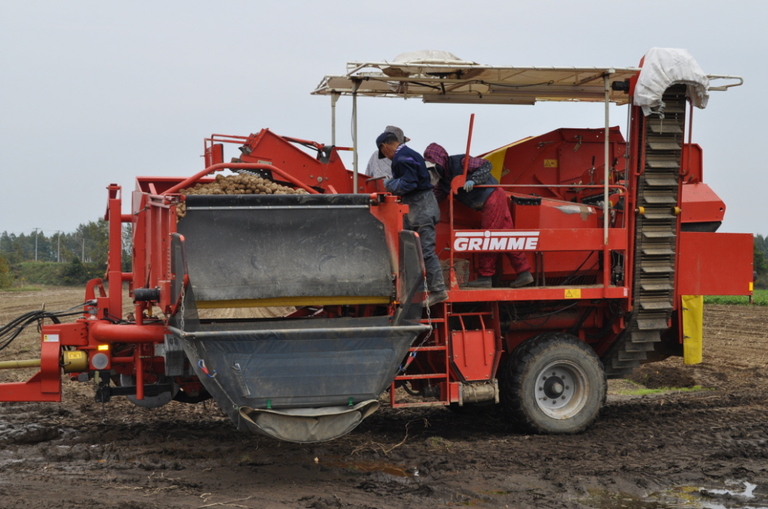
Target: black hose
x=12, y=329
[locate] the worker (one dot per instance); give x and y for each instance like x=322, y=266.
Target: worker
x=383, y=167
x=410, y=180
x=490, y=201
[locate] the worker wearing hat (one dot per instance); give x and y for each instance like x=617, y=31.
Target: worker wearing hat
x=410, y=180
x=490, y=201
x=378, y=168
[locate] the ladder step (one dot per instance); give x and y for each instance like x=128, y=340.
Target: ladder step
x=651, y=324
x=639, y=347
x=656, y=198
x=657, y=269
x=663, y=145
x=645, y=336
x=656, y=305
x=657, y=243
x=656, y=287
x=651, y=234
x=657, y=251
x=655, y=216
x=673, y=107
x=632, y=356
x=665, y=164
x=661, y=181
x=665, y=126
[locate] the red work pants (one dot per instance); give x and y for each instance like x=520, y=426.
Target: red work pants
x=495, y=215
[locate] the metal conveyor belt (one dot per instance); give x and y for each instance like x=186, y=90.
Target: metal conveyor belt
x=655, y=238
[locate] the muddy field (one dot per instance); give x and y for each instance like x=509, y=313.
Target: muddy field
x=698, y=449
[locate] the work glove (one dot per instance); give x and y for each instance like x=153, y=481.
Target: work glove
x=469, y=185
x=386, y=183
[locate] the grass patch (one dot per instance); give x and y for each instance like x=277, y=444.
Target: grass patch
x=22, y=289
x=760, y=298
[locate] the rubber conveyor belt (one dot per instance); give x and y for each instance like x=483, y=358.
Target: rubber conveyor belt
x=656, y=235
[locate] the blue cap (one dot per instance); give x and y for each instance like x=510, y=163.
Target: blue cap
x=385, y=137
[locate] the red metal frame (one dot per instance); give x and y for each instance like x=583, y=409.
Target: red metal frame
x=471, y=333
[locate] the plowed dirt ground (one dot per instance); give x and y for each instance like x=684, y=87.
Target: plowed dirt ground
x=699, y=449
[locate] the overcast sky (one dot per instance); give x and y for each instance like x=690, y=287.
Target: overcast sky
x=99, y=92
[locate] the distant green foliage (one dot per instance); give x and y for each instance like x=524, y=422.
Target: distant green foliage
x=90, y=243
x=74, y=273
x=57, y=274
x=760, y=261
x=45, y=273
x=6, y=279
x=62, y=258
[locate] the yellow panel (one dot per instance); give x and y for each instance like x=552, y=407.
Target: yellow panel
x=497, y=156
x=693, y=328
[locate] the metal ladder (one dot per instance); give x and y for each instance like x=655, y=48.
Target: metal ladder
x=655, y=236
x=462, y=350
x=436, y=347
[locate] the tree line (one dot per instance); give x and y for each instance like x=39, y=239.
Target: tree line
x=761, y=261
x=58, y=258
x=74, y=258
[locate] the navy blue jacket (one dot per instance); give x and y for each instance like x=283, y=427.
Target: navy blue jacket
x=409, y=173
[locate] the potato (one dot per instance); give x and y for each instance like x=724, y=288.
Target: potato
x=235, y=184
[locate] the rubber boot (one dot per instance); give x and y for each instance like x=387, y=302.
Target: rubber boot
x=436, y=298
x=480, y=282
x=524, y=278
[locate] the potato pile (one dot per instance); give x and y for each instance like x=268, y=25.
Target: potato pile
x=235, y=184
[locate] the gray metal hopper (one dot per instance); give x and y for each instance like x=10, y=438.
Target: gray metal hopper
x=296, y=379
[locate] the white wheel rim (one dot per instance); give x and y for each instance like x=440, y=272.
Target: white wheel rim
x=561, y=389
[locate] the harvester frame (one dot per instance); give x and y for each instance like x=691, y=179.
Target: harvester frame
x=610, y=225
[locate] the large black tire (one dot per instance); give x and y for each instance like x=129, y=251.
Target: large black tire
x=552, y=383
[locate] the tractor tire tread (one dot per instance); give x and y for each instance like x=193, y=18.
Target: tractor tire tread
x=513, y=373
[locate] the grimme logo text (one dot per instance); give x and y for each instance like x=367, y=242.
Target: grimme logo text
x=495, y=241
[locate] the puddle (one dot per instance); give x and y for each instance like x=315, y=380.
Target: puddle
x=399, y=472
x=604, y=499
x=737, y=494
x=732, y=495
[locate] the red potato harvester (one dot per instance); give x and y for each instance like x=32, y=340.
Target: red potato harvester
x=327, y=287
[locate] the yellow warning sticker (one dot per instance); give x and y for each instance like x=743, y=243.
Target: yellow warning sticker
x=50, y=338
x=550, y=163
x=573, y=293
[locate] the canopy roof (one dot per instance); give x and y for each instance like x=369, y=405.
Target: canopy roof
x=441, y=77
x=438, y=76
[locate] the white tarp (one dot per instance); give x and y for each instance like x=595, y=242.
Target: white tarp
x=663, y=67
x=430, y=56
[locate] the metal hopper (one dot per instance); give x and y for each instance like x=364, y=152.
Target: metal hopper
x=304, y=379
